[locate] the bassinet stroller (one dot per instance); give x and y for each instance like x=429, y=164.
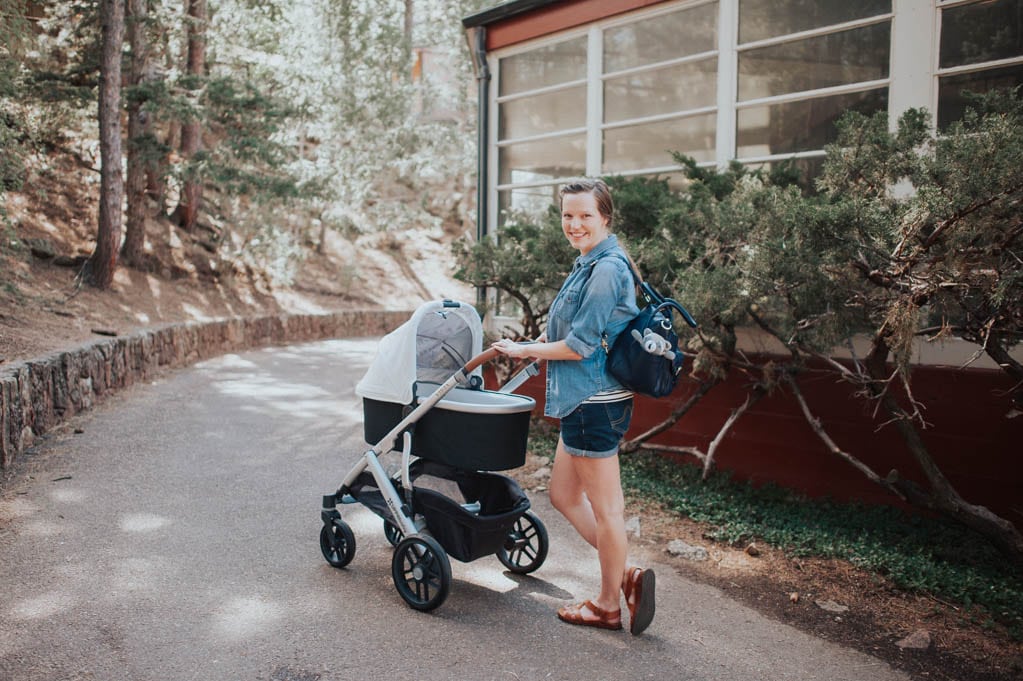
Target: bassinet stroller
x=423, y=396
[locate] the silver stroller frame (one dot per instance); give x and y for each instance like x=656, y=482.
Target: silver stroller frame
x=420, y=566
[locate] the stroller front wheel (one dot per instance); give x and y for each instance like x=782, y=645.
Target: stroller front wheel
x=392, y=532
x=421, y=572
x=337, y=542
x=525, y=548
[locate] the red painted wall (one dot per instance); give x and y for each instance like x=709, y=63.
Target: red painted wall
x=979, y=450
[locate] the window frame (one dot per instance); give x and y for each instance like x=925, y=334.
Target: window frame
x=940, y=72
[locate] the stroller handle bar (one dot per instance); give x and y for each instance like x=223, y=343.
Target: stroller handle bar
x=479, y=360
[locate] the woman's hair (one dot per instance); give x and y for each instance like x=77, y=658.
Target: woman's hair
x=600, y=191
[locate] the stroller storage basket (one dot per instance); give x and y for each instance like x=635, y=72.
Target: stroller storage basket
x=470, y=429
x=467, y=534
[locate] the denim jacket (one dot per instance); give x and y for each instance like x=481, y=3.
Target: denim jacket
x=596, y=302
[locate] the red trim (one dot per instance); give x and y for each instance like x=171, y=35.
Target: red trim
x=557, y=17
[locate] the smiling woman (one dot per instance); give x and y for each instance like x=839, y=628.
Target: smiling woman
x=593, y=307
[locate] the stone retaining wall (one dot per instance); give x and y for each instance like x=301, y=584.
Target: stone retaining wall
x=37, y=394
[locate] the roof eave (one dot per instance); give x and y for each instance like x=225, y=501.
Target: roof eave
x=503, y=11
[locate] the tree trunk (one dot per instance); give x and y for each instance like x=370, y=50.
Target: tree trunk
x=942, y=497
x=103, y=262
x=407, y=33
x=139, y=128
x=187, y=211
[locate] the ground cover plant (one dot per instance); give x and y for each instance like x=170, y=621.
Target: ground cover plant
x=915, y=553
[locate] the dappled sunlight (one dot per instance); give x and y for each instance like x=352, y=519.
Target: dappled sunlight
x=16, y=508
x=68, y=495
x=41, y=528
x=154, y=286
x=273, y=379
x=489, y=575
x=196, y=313
x=268, y=388
x=243, y=617
x=142, y=522
x=42, y=606
x=296, y=302
x=364, y=522
x=136, y=574
x=230, y=361
x=309, y=409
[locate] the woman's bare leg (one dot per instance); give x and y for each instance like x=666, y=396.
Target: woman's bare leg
x=575, y=481
x=601, y=482
x=568, y=497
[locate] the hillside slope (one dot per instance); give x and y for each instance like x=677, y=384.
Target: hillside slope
x=51, y=228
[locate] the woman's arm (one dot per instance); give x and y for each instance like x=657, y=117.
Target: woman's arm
x=538, y=350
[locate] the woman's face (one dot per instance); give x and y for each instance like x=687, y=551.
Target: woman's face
x=581, y=222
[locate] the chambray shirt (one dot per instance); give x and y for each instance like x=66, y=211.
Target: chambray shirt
x=594, y=305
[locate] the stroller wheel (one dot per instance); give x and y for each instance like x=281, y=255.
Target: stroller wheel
x=525, y=548
x=337, y=542
x=421, y=572
x=392, y=532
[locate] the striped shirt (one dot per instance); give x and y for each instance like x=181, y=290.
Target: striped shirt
x=616, y=395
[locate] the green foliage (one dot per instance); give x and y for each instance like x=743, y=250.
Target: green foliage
x=13, y=32
x=248, y=160
x=527, y=261
x=915, y=553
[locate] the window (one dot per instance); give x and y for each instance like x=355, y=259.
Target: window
x=660, y=89
x=617, y=98
x=760, y=81
x=801, y=65
x=541, y=114
x=981, y=48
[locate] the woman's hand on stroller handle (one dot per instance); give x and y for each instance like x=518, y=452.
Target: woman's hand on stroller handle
x=508, y=347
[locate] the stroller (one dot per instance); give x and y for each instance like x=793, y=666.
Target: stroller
x=423, y=397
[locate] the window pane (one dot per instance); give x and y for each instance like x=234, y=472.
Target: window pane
x=542, y=113
x=761, y=19
x=548, y=159
x=808, y=170
x=951, y=102
x=827, y=60
x=665, y=90
x=660, y=38
x=531, y=201
x=548, y=65
x=971, y=34
x=799, y=126
x=649, y=145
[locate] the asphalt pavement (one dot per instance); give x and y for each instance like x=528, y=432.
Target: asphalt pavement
x=175, y=537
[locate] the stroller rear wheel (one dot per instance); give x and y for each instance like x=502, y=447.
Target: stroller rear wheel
x=525, y=548
x=421, y=572
x=337, y=542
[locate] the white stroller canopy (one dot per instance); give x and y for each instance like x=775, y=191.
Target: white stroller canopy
x=439, y=338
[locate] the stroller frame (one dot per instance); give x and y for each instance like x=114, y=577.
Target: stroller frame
x=420, y=566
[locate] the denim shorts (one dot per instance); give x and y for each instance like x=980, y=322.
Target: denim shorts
x=596, y=429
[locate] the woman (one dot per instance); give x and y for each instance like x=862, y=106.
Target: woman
x=596, y=302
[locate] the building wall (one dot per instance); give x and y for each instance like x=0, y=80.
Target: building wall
x=969, y=436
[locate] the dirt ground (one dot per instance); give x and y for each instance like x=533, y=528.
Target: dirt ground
x=43, y=309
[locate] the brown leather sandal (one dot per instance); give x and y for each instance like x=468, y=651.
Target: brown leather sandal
x=605, y=619
x=639, y=597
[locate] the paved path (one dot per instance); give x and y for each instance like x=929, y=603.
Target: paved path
x=176, y=538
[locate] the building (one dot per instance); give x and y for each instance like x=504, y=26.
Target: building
x=597, y=87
